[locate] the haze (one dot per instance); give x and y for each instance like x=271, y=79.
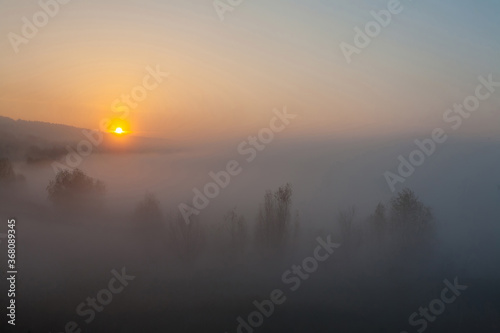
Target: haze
x=208, y=152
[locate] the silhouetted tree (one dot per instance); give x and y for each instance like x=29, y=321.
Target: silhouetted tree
x=378, y=244
x=147, y=215
x=75, y=189
x=379, y=222
x=186, y=239
x=410, y=218
x=345, y=219
x=7, y=174
x=273, y=224
x=236, y=226
x=351, y=237
x=150, y=229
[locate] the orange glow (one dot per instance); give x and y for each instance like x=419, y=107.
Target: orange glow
x=118, y=126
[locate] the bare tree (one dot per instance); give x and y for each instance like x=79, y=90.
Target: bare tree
x=236, y=226
x=411, y=220
x=75, y=189
x=273, y=224
x=147, y=214
x=7, y=174
x=345, y=219
x=379, y=222
x=149, y=226
x=187, y=240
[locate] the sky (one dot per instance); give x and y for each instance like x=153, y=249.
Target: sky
x=226, y=77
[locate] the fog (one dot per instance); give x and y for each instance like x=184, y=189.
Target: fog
x=205, y=274
x=249, y=166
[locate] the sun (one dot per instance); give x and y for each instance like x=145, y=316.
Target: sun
x=118, y=127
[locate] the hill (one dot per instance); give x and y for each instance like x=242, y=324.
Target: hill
x=36, y=141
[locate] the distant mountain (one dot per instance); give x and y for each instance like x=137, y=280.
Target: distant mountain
x=36, y=141
x=38, y=129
